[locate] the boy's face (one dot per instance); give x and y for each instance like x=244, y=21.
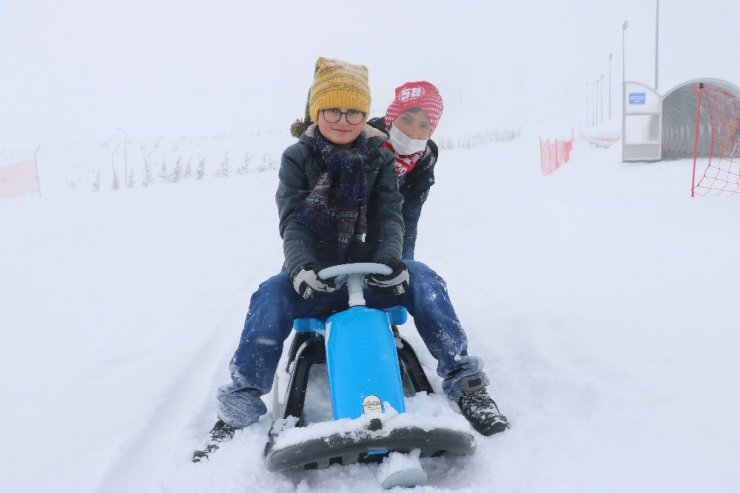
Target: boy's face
x=341, y=133
x=415, y=124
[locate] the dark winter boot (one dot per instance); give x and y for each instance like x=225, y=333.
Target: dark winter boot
x=221, y=432
x=482, y=412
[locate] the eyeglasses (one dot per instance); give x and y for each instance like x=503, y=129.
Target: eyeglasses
x=333, y=115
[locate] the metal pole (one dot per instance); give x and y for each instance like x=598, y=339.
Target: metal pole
x=125, y=158
x=587, y=123
x=624, y=102
x=699, y=92
x=36, y=164
x=113, y=167
x=596, y=102
x=591, y=104
x=601, y=98
x=657, y=25
x=624, y=29
x=610, y=85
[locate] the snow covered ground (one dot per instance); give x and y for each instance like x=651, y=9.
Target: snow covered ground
x=602, y=298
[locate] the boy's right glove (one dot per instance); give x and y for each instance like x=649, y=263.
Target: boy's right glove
x=306, y=282
x=397, y=282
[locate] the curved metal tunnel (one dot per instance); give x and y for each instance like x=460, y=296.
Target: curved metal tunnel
x=679, y=118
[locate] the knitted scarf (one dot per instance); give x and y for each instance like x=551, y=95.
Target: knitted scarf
x=335, y=208
x=403, y=164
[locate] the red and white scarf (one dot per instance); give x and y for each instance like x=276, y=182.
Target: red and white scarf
x=403, y=164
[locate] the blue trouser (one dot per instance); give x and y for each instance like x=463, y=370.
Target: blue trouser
x=275, y=305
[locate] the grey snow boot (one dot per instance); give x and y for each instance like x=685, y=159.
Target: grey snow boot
x=482, y=412
x=240, y=408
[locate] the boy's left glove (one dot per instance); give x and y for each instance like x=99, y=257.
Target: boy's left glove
x=306, y=282
x=397, y=282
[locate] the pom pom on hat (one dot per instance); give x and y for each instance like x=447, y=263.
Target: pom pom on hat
x=419, y=94
x=338, y=84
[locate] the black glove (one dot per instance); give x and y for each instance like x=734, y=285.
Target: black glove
x=397, y=282
x=306, y=282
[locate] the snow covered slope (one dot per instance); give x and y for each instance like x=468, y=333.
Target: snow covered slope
x=602, y=298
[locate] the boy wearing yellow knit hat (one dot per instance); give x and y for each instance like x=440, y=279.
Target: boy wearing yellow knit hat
x=338, y=202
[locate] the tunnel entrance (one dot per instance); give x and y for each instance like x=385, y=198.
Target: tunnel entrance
x=679, y=119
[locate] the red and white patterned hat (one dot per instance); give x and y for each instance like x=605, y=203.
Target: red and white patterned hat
x=419, y=94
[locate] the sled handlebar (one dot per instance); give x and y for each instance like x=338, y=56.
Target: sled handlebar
x=355, y=274
x=362, y=268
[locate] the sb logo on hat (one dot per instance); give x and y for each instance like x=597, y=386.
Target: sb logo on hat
x=411, y=93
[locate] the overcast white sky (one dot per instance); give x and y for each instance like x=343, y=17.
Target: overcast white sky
x=81, y=69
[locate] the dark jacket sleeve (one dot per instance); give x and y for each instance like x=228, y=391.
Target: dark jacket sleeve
x=388, y=201
x=299, y=242
x=411, y=214
x=378, y=123
x=414, y=197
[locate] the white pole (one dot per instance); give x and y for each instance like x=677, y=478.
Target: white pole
x=125, y=158
x=601, y=98
x=596, y=103
x=610, y=85
x=36, y=165
x=624, y=96
x=657, y=25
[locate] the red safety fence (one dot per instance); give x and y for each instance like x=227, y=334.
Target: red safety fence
x=19, y=178
x=554, y=154
x=722, y=173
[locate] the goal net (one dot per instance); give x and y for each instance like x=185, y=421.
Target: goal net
x=718, y=118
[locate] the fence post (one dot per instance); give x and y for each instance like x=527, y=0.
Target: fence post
x=36, y=164
x=698, y=91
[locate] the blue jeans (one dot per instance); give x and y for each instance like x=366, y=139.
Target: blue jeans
x=270, y=320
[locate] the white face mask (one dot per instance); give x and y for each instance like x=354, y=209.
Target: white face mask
x=403, y=144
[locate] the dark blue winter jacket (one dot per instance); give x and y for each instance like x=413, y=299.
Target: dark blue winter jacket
x=301, y=168
x=415, y=190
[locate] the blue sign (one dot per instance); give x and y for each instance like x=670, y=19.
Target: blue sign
x=637, y=98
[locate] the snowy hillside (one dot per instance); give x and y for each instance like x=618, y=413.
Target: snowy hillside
x=602, y=298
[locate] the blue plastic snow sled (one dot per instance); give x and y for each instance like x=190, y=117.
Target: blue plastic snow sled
x=370, y=371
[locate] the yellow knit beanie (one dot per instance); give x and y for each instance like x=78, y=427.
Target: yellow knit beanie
x=338, y=84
